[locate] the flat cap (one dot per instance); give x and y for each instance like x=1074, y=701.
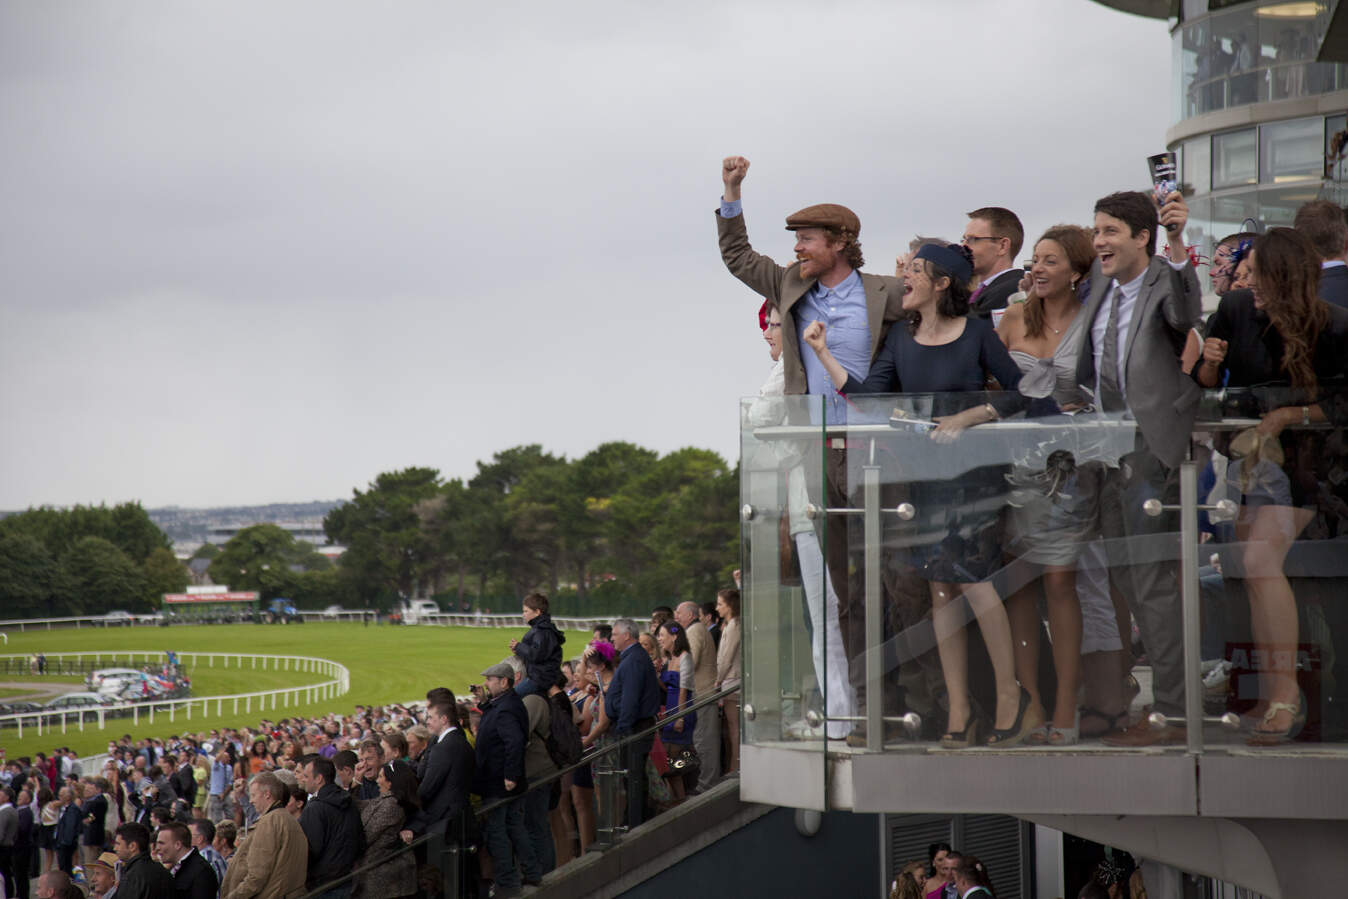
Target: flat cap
x=824, y=215
x=500, y=669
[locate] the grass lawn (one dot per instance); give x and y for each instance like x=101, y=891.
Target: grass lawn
x=387, y=664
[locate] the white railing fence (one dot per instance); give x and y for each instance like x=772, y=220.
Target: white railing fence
x=338, y=684
x=442, y=619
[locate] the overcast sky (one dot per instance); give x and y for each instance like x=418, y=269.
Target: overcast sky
x=260, y=252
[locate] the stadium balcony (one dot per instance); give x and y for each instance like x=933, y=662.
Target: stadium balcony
x=894, y=511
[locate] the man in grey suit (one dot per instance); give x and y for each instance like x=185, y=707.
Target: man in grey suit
x=1138, y=315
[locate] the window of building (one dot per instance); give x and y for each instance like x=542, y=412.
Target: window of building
x=1235, y=159
x=1196, y=165
x=1291, y=151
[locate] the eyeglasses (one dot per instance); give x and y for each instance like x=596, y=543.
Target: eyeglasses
x=770, y=325
x=968, y=239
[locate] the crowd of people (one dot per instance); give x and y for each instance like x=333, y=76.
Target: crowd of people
x=295, y=806
x=1095, y=329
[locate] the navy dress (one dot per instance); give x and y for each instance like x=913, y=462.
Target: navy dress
x=959, y=520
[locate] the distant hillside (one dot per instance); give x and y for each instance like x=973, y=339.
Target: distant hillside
x=190, y=525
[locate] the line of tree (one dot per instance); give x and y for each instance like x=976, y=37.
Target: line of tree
x=618, y=530
x=621, y=528
x=85, y=560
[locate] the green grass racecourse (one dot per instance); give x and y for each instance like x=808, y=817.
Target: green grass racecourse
x=387, y=664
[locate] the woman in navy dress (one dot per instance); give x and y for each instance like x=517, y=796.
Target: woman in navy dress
x=944, y=352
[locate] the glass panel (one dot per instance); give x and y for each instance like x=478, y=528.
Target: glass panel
x=785, y=686
x=1191, y=67
x=1273, y=579
x=1279, y=206
x=1197, y=165
x=1336, y=146
x=1238, y=54
x=1291, y=151
x=1235, y=159
x=1230, y=213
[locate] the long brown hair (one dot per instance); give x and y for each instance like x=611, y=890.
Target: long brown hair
x=1288, y=276
x=1080, y=254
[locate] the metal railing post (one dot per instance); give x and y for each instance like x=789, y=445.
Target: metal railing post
x=1189, y=603
x=875, y=736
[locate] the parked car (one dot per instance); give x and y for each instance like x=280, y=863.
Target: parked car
x=72, y=701
x=333, y=612
x=119, y=616
x=111, y=680
x=19, y=708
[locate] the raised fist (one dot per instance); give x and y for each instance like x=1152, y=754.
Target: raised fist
x=814, y=336
x=733, y=170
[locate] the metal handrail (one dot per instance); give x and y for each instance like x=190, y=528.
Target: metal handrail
x=542, y=782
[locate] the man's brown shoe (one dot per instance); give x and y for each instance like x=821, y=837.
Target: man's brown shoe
x=1143, y=734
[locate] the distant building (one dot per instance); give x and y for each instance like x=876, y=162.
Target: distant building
x=308, y=531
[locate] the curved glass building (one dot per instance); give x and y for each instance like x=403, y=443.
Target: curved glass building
x=1257, y=96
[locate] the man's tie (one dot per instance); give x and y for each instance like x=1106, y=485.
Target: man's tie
x=973, y=297
x=1111, y=396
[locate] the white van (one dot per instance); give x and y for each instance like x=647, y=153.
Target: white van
x=418, y=611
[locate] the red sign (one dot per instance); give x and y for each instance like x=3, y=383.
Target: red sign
x=232, y=596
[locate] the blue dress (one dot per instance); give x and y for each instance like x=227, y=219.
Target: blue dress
x=957, y=532
x=668, y=735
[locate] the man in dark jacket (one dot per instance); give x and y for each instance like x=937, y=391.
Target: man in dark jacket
x=448, y=777
x=24, y=838
x=541, y=648
x=193, y=876
x=67, y=831
x=332, y=826
x=141, y=877
x=631, y=702
x=184, y=779
x=500, y=776
x=94, y=813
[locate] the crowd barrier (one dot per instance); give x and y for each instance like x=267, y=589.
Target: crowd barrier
x=338, y=684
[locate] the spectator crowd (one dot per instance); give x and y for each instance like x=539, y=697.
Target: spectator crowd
x=1103, y=324
x=363, y=805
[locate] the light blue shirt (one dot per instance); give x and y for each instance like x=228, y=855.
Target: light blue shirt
x=842, y=309
x=221, y=777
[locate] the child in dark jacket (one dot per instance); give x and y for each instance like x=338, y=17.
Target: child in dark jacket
x=541, y=648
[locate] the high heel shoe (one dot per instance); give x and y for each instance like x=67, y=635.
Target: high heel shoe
x=962, y=739
x=1002, y=738
x=1277, y=737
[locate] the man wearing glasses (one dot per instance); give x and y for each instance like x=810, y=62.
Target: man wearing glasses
x=994, y=236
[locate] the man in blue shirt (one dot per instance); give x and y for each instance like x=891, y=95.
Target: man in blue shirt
x=824, y=284
x=631, y=702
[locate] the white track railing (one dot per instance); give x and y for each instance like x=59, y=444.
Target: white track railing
x=78, y=621
x=280, y=698
x=442, y=619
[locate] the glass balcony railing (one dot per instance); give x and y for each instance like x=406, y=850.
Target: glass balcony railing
x=1038, y=583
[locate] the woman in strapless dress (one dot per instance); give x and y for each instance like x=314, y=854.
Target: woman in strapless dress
x=1053, y=506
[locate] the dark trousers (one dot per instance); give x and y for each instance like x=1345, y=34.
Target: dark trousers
x=1144, y=565
x=539, y=827
x=634, y=760
x=7, y=869
x=22, y=864
x=504, y=833
x=65, y=858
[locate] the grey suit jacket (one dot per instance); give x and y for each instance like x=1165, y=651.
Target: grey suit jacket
x=784, y=287
x=1163, y=399
x=9, y=825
